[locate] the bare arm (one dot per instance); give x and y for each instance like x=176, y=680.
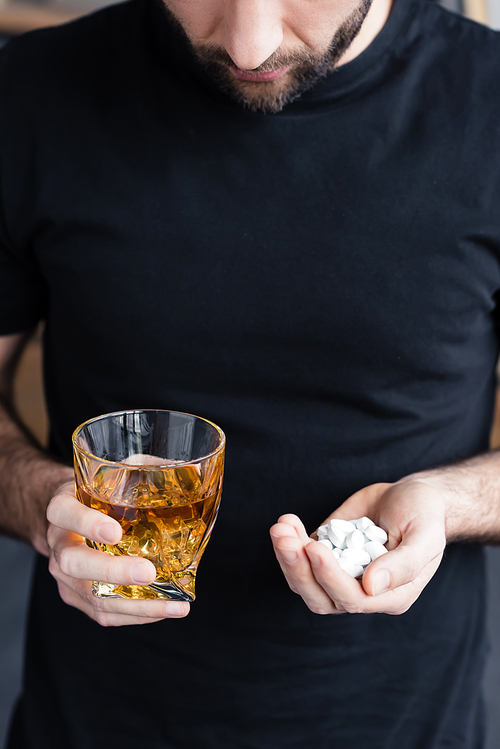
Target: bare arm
x=471, y=492
x=32, y=483
x=29, y=477
x=421, y=513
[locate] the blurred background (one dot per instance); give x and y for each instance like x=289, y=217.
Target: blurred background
x=18, y=16
x=16, y=559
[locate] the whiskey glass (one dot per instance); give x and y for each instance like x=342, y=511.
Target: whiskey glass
x=159, y=474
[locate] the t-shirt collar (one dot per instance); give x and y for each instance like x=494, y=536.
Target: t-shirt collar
x=175, y=51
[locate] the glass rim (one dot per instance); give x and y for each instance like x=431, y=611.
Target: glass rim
x=80, y=449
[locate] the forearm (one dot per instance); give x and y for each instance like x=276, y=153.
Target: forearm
x=28, y=479
x=471, y=492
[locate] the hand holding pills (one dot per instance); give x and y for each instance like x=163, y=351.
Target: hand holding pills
x=412, y=513
x=354, y=543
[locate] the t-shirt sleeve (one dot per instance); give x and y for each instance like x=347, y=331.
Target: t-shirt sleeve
x=22, y=292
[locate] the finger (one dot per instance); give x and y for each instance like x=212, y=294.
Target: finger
x=294, y=562
x=421, y=548
x=283, y=530
x=330, y=590
x=325, y=576
x=119, y=611
x=65, y=511
x=349, y=595
x=340, y=587
x=75, y=559
x=296, y=523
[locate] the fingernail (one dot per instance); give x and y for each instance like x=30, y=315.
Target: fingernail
x=141, y=574
x=381, y=582
x=288, y=555
x=175, y=608
x=108, y=533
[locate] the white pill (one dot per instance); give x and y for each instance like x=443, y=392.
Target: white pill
x=357, y=556
x=354, y=570
x=374, y=533
x=375, y=549
x=326, y=542
x=363, y=523
x=322, y=531
x=336, y=553
x=355, y=540
x=337, y=537
x=343, y=525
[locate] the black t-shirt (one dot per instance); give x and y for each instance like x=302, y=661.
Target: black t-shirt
x=322, y=284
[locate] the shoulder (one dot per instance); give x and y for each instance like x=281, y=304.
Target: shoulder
x=108, y=21
x=34, y=63
x=454, y=39
x=439, y=22
x=456, y=62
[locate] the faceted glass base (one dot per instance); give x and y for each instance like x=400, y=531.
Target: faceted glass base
x=171, y=591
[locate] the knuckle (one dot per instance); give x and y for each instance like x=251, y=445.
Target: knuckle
x=321, y=609
x=98, y=604
x=51, y=536
x=85, y=593
x=56, y=504
x=63, y=559
x=352, y=608
x=115, y=570
x=102, y=618
x=411, y=568
x=400, y=609
x=66, y=489
x=51, y=511
x=55, y=555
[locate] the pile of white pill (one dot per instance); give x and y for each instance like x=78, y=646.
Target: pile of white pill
x=354, y=543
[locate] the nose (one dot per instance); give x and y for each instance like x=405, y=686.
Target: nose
x=252, y=32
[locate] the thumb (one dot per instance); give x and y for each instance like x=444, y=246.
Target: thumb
x=418, y=555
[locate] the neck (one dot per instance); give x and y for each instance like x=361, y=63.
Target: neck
x=372, y=25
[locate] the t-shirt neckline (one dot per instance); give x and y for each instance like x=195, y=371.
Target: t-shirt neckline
x=174, y=50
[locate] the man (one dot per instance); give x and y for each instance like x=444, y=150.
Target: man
x=284, y=217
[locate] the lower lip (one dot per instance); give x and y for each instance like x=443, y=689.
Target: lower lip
x=259, y=77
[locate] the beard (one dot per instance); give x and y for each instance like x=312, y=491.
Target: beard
x=305, y=68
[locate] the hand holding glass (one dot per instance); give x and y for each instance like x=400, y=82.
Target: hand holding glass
x=159, y=474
